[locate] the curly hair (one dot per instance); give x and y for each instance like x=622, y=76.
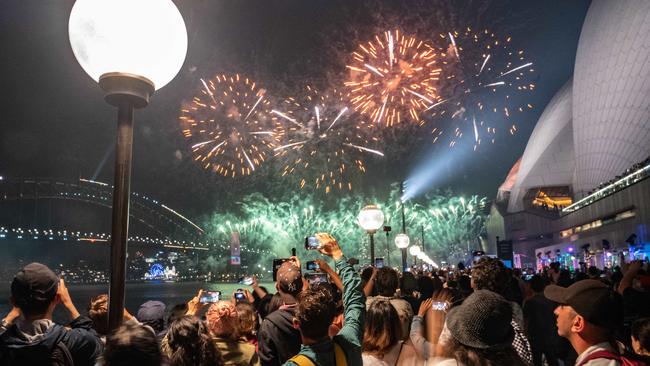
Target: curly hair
x=98, y=313
x=223, y=320
x=490, y=274
x=190, y=343
x=383, y=329
x=316, y=311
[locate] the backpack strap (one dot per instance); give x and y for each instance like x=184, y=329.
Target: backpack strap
x=302, y=360
x=340, y=355
x=61, y=355
x=609, y=355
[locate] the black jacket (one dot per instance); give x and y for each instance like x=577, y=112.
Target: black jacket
x=81, y=340
x=277, y=339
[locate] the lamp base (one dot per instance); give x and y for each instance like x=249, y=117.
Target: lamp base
x=123, y=88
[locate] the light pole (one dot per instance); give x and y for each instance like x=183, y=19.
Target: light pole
x=131, y=48
x=402, y=241
x=414, y=251
x=371, y=219
x=387, y=230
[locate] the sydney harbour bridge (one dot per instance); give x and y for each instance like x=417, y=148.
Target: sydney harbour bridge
x=79, y=210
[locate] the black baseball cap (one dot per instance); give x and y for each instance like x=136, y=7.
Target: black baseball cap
x=34, y=283
x=591, y=299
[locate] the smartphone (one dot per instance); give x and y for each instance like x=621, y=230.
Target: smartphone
x=528, y=277
x=311, y=243
x=240, y=295
x=316, y=278
x=312, y=266
x=276, y=264
x=440, y=305
x=210, y=297
x=379, y=262
x=247, y=280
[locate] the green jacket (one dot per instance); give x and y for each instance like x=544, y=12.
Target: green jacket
x=351, y=335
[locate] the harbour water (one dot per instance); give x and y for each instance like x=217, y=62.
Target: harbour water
x=136, y=294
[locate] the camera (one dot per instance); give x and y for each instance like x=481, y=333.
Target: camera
x=312, y=266
x=311, y=243
x=209, y=297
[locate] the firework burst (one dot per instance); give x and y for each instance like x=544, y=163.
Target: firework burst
x=393, y=78
x=322, y=144
x=482, y=95
x=229, y=126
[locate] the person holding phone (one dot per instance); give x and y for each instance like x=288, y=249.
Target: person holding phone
x=316, y=312
x=278, y=339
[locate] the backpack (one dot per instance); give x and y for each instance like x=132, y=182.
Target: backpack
x=61, y=356
x=302, y=360
x=609, y=355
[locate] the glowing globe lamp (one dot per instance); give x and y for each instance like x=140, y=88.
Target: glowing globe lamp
x=131, y=48
x=414, y=250
x=146, y=38
x=371, y=218
x=402, y=241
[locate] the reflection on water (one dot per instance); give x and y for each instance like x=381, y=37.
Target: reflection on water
x=136, y=294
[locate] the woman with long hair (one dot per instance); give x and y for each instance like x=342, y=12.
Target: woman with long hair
x=190, y=343
x=382, y=335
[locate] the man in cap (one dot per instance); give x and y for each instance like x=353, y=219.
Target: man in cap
x=587, y=315
x=31, y=337
x=152, y=313
x=278, y=339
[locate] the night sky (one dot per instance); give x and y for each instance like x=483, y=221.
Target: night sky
x=54, y=122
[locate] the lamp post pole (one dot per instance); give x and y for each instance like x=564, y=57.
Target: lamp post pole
x=126, y=92
x=372, y=247
x=120, y=226
x=387, y=231
x=404, y=264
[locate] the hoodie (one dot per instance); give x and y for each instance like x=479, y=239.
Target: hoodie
x=27, y=344
x=278, y=340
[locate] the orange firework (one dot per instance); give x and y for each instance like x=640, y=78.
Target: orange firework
x=393, y=78
x=229, y=125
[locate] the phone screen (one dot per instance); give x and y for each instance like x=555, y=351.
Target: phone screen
x=379, y=262
x=240, y=296
x=316, y=278
x=210, y=297
x=246, y=281
x=440, y=305
x=311, y=243
x=312, y=266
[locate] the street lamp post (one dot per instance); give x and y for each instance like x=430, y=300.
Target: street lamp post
x=131, y=48
x=387, y=230
x=371, y=219
x=402, y=242
x=414, y=251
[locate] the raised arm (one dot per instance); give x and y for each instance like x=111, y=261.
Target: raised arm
x=353, y=299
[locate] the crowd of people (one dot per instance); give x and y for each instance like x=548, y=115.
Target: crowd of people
x=484, y=315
